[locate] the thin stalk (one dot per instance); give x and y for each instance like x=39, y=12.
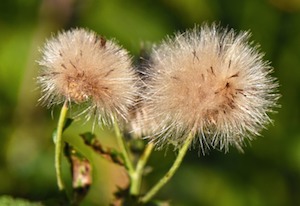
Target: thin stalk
x=148, y=196
x=124, y=150
x=58, y=144
x=136, y=178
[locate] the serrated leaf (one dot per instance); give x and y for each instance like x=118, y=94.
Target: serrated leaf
x=68, y=122
x=88, y=137
x=107, y=153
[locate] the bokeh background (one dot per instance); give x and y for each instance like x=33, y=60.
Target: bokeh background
x=268, y=173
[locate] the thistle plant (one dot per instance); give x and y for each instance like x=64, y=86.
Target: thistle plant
x=208, y=87
x=79, y=67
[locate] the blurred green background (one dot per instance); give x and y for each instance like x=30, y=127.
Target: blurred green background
x=268, y=173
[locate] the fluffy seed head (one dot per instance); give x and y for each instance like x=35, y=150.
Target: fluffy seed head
x=211, y=82
x=83, y=68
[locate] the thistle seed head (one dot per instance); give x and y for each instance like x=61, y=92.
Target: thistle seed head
x=211, y=82
x=83, y=68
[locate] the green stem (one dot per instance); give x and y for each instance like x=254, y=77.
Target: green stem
x=136, y=177
x=124, y=150
x=148, y=196
x=58, y=144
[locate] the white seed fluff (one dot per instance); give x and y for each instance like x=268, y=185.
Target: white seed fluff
x=210, y=82
x=85, y=69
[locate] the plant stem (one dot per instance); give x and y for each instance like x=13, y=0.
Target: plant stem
x=148, y=196
x=124, y=150
x=58, y=144
x=136, y=177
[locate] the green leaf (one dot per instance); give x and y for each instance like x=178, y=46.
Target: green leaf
x=106, y=152
x=88, y=138
x=158, y=203
x=68, y=122
x=10, y=201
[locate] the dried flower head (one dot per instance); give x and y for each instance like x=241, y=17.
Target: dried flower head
x=83, y=68
x=210, y=82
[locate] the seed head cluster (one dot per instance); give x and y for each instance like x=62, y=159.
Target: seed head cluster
x=81, y=67
x=209, y=82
